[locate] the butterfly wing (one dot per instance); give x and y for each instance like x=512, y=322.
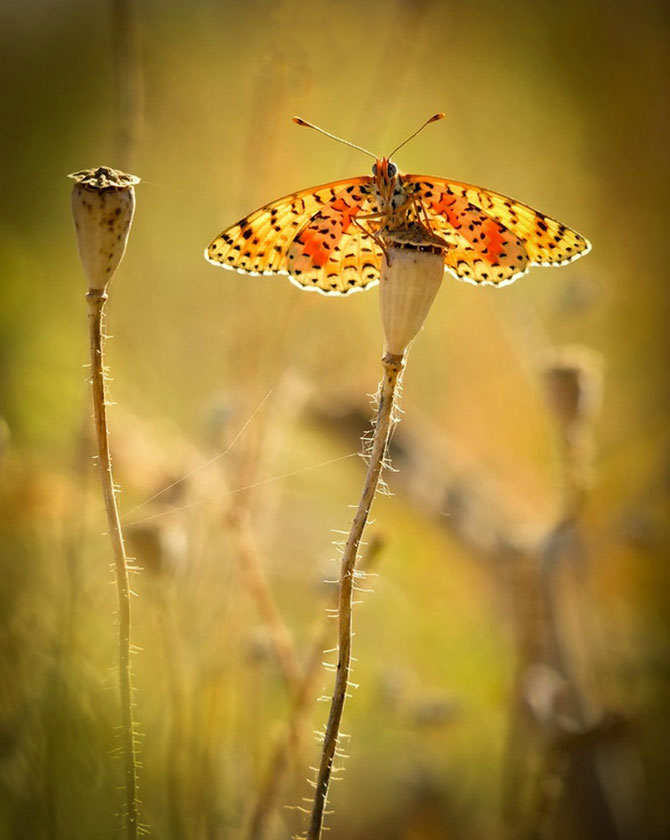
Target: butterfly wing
x=353, y=265
x=493, y=239
x=311, y=235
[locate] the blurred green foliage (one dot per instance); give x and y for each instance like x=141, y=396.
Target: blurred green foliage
x=563, y=106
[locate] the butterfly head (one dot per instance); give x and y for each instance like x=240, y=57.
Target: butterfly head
x=385, y=173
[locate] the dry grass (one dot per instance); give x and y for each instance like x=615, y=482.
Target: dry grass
x=194, y=354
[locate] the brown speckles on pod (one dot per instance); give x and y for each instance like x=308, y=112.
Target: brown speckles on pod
x=103, y=204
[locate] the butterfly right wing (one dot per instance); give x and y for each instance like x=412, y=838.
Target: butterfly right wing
x=492, y=239
x=305, y=235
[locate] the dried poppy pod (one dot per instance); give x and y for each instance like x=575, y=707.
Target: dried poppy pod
x=572, y=378
x=103, y=203
x=411, y=276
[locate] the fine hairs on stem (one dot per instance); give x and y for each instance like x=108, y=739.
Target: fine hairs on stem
x=410, y=280
x=96, y=300
x=103, y=204
x=384, y=421
x=290, y=740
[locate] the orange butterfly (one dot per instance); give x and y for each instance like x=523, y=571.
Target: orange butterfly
x=334, y=238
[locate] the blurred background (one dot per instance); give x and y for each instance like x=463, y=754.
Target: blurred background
x=512, y=654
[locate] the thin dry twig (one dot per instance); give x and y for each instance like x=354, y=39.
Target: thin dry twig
x=259, y=587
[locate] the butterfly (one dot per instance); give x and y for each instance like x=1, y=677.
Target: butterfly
x=335, y=238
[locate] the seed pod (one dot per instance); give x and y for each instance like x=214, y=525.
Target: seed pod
x=572, y=378
x=408, y=285
x=103, y=203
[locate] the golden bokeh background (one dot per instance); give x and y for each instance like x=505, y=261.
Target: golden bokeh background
x=511, y=680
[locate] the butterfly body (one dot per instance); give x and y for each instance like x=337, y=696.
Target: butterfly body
x=336, y=237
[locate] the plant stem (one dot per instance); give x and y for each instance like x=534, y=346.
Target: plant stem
x=288, y=743
x=129, y=81
x=393, y=367
x=259, y=587
x=96, y=299
x=291, y=739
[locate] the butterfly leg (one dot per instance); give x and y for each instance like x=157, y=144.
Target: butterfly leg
x=373, y=234
x=424, y=220
x=387, y=217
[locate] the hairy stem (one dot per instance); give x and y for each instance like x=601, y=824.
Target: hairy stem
x=291, y=739
x=96, y=299
x=393, y=367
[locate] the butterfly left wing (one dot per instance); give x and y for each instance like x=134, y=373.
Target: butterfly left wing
x=493, y=239
x=311, y=235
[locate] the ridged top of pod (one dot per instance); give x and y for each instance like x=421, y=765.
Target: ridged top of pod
x=104, y=178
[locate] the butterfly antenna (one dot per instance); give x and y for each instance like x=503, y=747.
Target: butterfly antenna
x=299, y=121
x=432, y=119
